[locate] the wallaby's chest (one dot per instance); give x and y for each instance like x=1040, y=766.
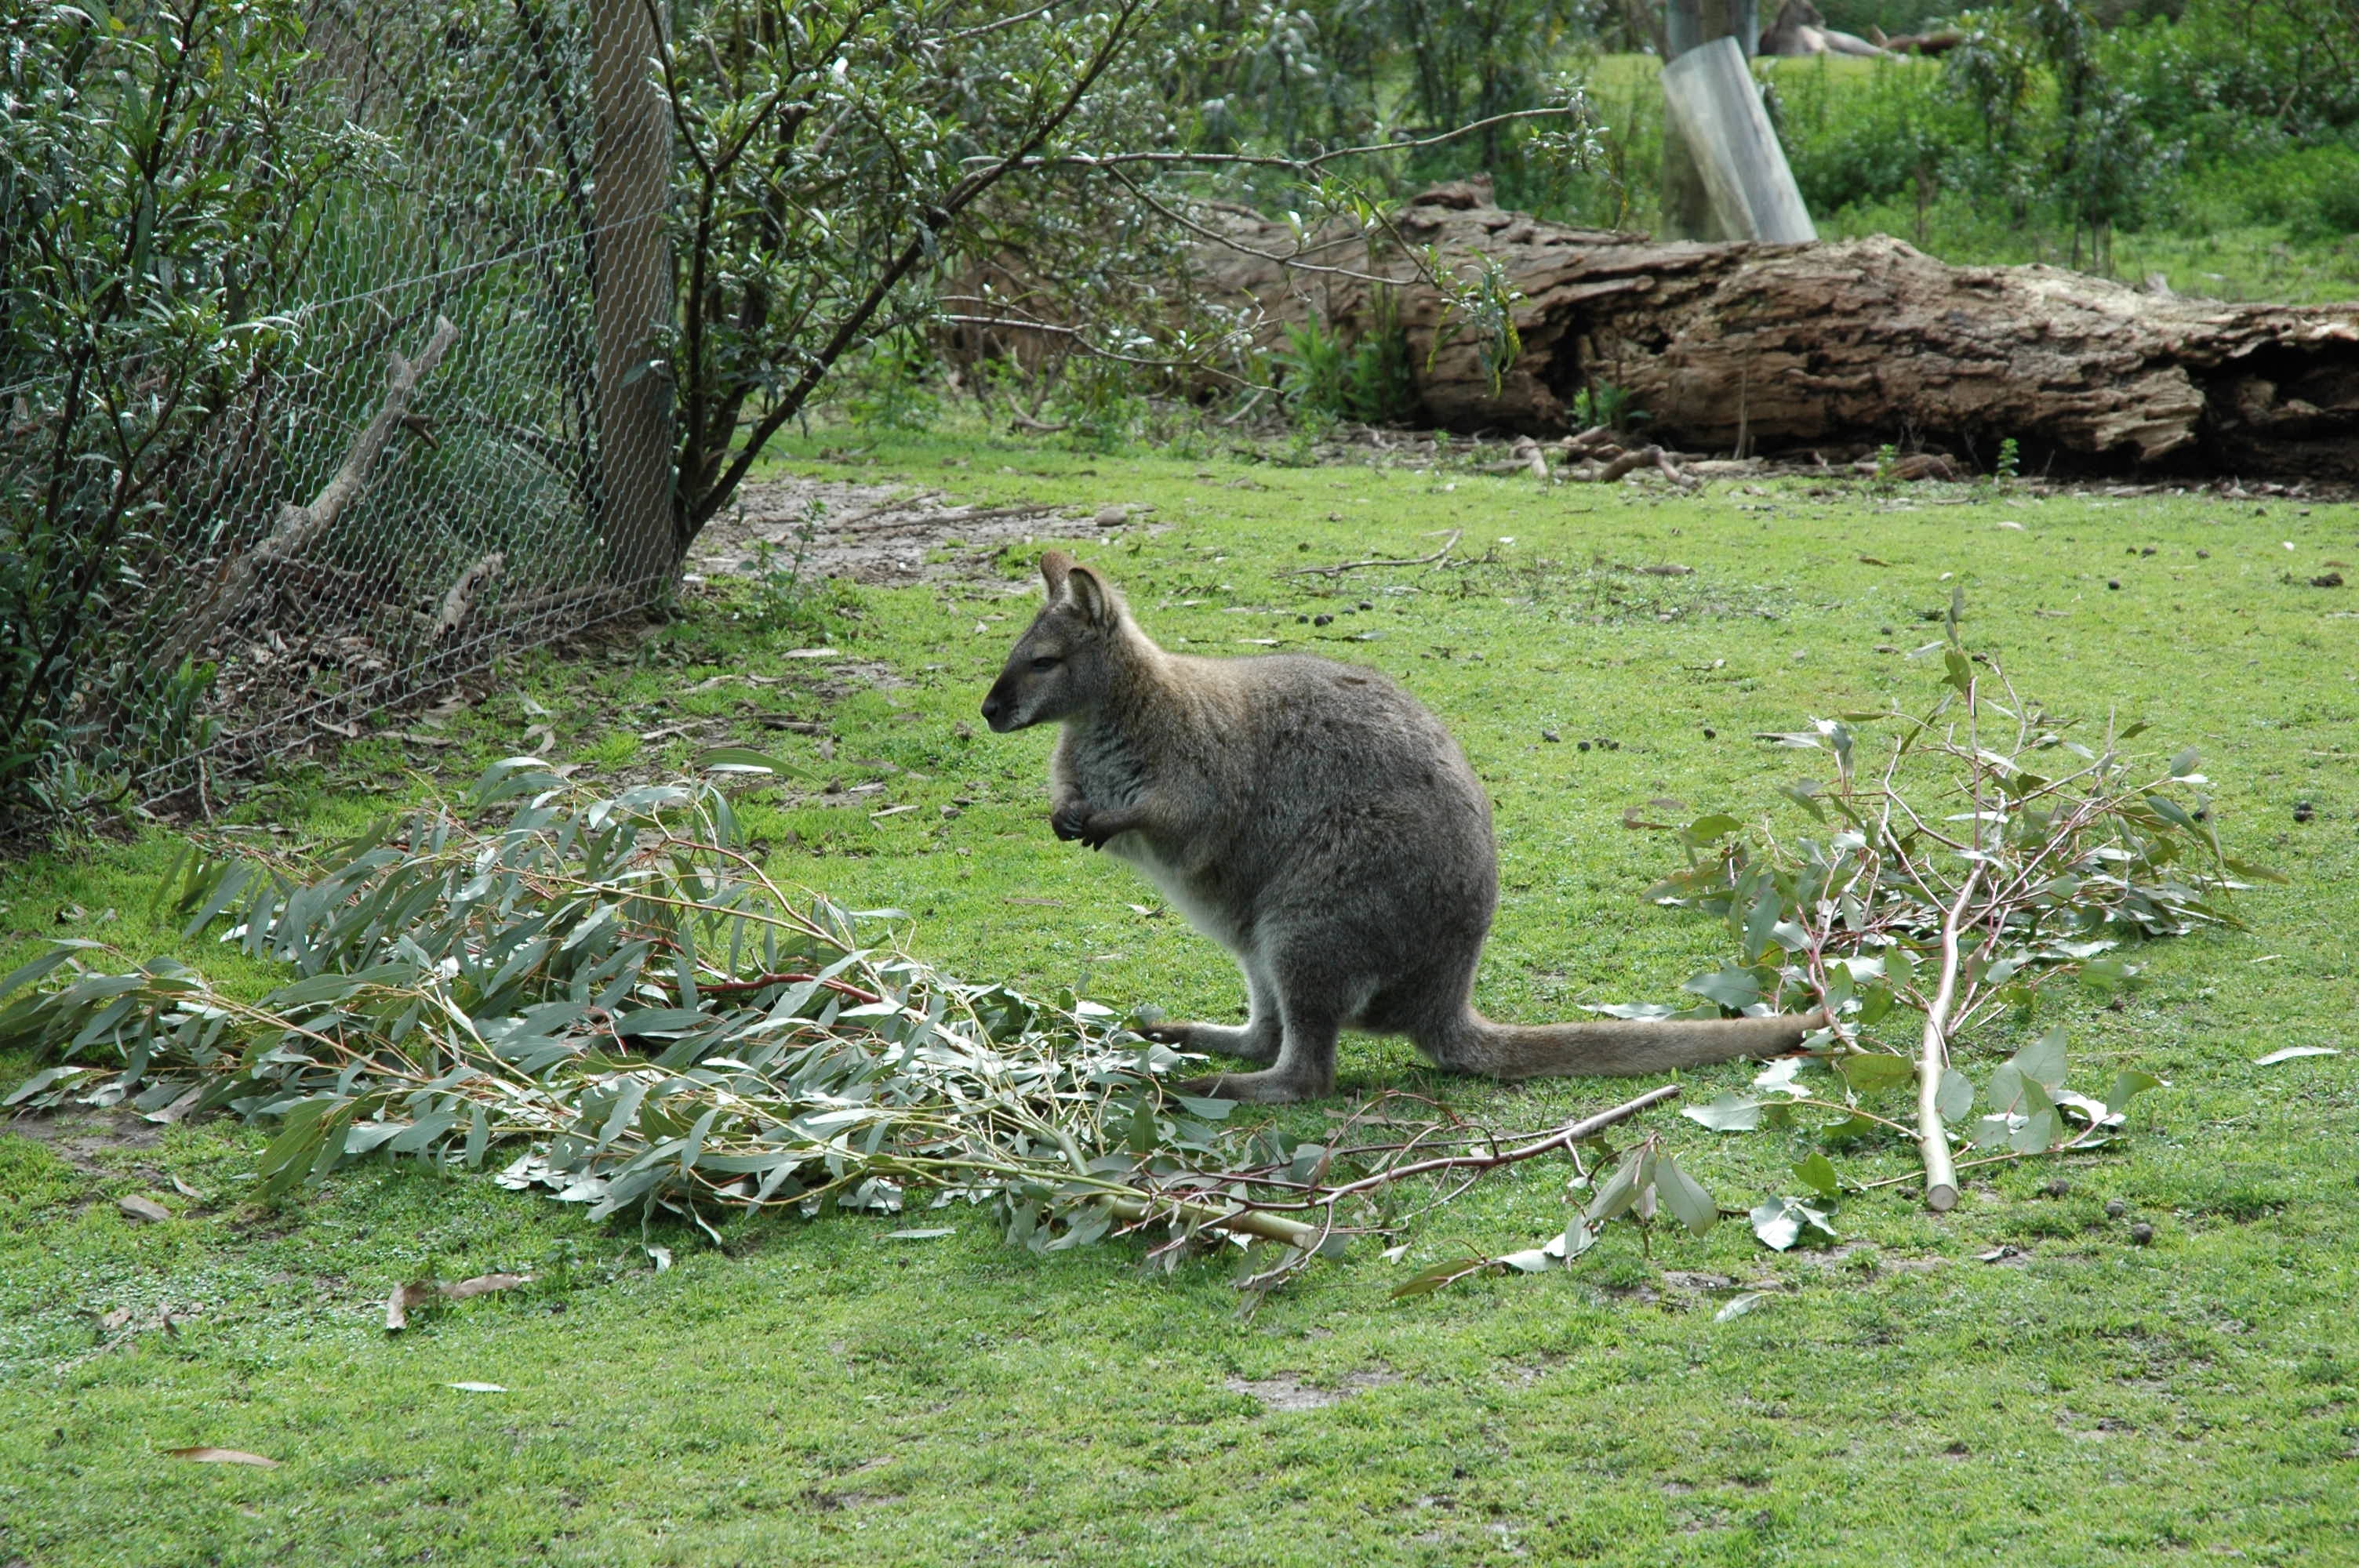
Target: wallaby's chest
x=1102, y=764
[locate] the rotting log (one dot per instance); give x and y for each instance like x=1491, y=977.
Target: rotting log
x=1847, y=345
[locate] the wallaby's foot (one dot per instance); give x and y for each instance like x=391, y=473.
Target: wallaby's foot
x=1274, y=1087
x=1247, y=1045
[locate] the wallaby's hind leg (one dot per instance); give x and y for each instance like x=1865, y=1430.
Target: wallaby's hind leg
x=1257, y=1041
x=1311, y=1018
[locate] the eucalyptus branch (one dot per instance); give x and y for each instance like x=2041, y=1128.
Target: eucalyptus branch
x=1932, y=1140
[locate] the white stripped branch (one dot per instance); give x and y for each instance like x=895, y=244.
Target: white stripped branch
x=1932, y=1137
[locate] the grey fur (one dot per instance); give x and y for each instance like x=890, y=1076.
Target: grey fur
x=1318, y=822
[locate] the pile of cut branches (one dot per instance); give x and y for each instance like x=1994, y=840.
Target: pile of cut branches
x=1985, y=848
x=616, y=986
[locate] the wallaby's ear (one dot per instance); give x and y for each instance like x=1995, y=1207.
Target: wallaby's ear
x=1090, y=594
x=1054, y=564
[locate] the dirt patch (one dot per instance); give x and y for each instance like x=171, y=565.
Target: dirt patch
x=1288, y=1392
x=883, y=535
x=1700, y=1284
x=79, y=1136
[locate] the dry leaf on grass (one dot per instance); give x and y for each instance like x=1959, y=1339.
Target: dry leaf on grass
x=222, y=1456
x=404, y=1297
x=481, y=1284
x=397, y=1305
x=147, y=1210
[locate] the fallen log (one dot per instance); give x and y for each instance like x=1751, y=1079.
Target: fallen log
x=1848, y=344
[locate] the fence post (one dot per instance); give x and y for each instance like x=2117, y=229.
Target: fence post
x=631, y=287
x=1718, y=110
x=1687, y=25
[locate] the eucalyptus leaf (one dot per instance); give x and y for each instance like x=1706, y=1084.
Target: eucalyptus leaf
x=1781, y=1222
x=1684, y=1196
x=1733, y=988
x=1817, y=1173
x=2294, y=1053
x=1869, y=1071
x=1726, y=1113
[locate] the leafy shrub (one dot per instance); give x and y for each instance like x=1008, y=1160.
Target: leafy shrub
x=158, y=173
x=1322, y=375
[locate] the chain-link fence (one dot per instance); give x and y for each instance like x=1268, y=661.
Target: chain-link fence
x=406, y=481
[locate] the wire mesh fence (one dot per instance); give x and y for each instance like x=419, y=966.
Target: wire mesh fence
x=403, y=482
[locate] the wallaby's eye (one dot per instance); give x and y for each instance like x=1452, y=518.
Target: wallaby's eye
x=1044, y=662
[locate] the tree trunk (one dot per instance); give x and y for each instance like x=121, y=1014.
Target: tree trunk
x=1852, y=343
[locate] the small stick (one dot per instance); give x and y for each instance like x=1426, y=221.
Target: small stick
x=1339, y=569
x=1564, y=1136
x=1243, y=408
x=459, y=602
x=1249, y=1222
x=763, y=982
x=1628, y=463
x=1932, y=1138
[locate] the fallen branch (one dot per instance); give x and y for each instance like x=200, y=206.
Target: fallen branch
x=1932, y=1137
x=1343, y=567
x=459, y=602
x=791, y=978
x=1564, y=1136
x=298, y=529
x=1620, y=468
x=1245, y=1221
x=1244, y=409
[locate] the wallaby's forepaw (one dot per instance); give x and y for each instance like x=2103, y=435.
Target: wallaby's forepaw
x=1083, y=822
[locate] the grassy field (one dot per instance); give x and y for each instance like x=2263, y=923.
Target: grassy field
x=2020, y=1379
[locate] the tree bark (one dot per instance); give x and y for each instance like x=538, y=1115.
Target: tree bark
x=1850, y=343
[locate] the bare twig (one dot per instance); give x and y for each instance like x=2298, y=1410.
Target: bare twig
x=459, y=602
x=1081, y=342
x=1272, y=160
x=1628, y=463
x=1343, y=567
x=1564, y=1136
x=1246, y=408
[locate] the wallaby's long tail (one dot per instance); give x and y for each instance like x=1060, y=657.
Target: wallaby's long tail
x=1619, y=1047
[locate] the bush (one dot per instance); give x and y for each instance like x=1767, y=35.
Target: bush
x=1324, y=376
x=158, y=172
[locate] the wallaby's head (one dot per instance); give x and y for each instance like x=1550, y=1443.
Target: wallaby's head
x=1063, y=665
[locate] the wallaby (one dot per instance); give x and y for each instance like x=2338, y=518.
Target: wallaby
x=1315, y=820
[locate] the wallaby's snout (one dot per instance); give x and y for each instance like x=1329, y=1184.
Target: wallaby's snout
x=999, y=705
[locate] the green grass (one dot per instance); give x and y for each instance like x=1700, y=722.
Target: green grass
x=820, y=1393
